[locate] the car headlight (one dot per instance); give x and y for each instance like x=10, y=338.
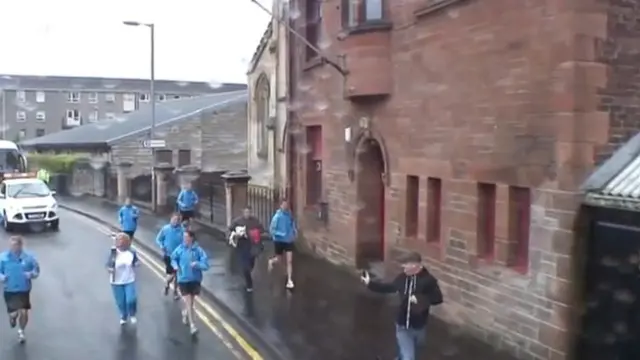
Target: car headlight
x=54, y=205
x=14, y=208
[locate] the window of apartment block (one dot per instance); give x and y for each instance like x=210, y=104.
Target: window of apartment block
x=177, y=97
x=22, y=134
x=110, y=97
x=519, y=224
x=93, y=98
x=41, y=116
x=164, y=156
x=21, y=116
x=412, y=201
x=486, y=220
x=434, y=209
x=313, y=12
x=21, y=96
x=41, y=96
x=144, y=97
x=40, y=132
x=359, y=12
x=314, y=165
x=184, y=157
x=73, y=97
x=93, y=116
x=161, y=97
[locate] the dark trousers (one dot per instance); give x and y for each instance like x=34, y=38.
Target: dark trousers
x=247, y=263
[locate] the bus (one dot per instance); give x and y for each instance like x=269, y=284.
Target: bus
x=12, y=160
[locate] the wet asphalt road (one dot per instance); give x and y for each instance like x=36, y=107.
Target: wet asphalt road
x=74, y=315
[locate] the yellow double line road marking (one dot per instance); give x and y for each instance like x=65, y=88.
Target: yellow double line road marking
x=203, y=309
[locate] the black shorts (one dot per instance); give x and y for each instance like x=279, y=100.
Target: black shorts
x=187, y=214
x=282, y=247
x=190, y=288
x=130, y=233
x=17, y=301
x=168, y=268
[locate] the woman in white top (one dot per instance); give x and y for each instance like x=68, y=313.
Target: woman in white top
x=121, y=265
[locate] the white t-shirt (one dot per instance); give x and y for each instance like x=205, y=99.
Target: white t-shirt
x=124, y=272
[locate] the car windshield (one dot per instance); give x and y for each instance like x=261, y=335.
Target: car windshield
x=30, y=189
x=10, y=161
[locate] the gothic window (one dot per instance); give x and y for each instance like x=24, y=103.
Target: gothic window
x=262, y=91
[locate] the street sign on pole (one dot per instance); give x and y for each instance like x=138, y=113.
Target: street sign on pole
x=154, y=144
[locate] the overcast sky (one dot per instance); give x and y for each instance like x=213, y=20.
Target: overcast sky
x=207, y=40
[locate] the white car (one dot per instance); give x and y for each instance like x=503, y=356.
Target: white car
x=26, y=201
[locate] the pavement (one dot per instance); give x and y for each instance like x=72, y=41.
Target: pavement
x=329, y=315
x=74, y=315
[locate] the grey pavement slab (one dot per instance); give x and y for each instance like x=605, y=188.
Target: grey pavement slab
x=74, y=315
x=329, y=315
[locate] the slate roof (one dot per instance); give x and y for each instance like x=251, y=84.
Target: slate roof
x=30, y=82
x=264, y=41
x=104, y=133
x=616, y=183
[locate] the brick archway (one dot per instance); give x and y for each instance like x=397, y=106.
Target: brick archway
x=370, y=191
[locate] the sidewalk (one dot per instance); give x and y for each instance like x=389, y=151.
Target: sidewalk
x=330, y=315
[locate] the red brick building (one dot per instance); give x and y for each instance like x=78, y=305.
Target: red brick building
x=462, y=129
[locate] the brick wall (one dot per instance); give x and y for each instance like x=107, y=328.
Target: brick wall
x=506, y=97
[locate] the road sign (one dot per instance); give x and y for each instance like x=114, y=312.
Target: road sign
x=154, y=144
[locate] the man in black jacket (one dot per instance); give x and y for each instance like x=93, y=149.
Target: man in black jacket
x=418, y=291
x=245, y=234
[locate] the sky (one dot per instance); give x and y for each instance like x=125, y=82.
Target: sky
x=195, y=40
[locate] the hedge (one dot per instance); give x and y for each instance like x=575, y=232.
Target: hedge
x=55, y=164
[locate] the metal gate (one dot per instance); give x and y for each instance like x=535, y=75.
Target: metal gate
x=611, y=319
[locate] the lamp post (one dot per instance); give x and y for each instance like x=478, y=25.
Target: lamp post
x=152, y=94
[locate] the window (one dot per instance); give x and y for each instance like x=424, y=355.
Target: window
x=73, y=97
x=161, y=97
x=313, y=26
x=144, y=97
x=184, y=157
x=93, y=116
x=164, y=156
x=40, y=132
x=41, y=96
x=519, y=223
x=41, y=116
x=412, y=201
x=177, y=97
x=314, y=165
x=22, y=134
x=21, y=96
x=434, y=209
x=73, y=118
x=486, y=220
x=129, y=102
x=359, y=12
x=28, y=190
x=93, y=98
x=110, y=97
x=21, y=116
x=262, y=116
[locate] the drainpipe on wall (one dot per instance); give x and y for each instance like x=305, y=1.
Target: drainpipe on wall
x=274, y=149
x=4, y=114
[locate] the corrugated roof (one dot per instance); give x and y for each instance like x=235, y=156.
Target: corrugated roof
x=627, y=183
x=30, y=82
x=107, y=132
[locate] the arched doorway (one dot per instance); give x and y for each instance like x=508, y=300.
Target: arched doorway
x=370, y=190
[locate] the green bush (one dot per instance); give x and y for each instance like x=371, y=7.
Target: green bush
x=54, y=163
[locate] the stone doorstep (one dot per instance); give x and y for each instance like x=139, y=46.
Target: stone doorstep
x=247, y=327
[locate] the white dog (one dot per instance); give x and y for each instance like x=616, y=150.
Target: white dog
x=239, y=231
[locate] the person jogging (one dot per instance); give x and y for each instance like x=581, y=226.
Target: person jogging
x=190, y=261
x=17, y=270
x=121, y=265
x=128, y=218
x=245, y=235
x=168, y=239
x=418, y=291
x=187, y=202
x=283, y=232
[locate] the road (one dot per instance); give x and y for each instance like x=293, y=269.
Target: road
x=74, y=315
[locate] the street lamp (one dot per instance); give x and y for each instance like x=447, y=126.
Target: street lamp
x=152, y=91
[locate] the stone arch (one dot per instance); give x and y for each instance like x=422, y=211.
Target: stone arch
x=359, y=142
